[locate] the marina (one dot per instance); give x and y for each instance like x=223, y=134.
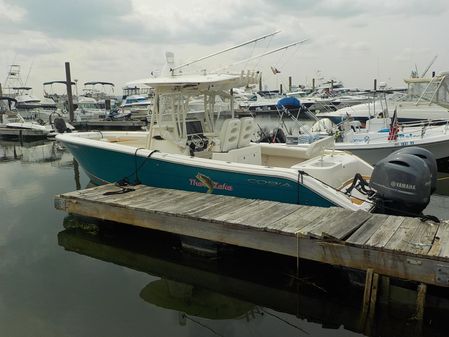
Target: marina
x=165, y=173
x=306, y=239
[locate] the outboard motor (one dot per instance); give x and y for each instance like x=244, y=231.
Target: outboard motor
x=278, y=136
x=402, y=182
x=430, y=160
x=60, y=125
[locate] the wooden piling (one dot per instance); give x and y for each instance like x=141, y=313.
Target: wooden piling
x=385, y=289
x=69, y=91
x=290, y=84
x=366, y=295
x=373, y=297
x=420, y=301
x=369, y=301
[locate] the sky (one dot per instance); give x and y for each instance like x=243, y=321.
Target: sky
x=355, y=41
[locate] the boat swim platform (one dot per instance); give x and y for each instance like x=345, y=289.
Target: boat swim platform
x=393, y=246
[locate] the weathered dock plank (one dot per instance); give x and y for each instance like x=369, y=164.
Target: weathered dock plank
x=313, y=228
x=440, y=246
x=413, y=236
x=364, y=233
x=384, y=232
x=220, y=205
x=302, y=218
x=379, y=242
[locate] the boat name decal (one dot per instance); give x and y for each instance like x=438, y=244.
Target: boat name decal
x=202, y=180
x=268, y=182
x=402, y=185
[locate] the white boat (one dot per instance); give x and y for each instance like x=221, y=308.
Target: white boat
x=11, y=118
x=375, y=142
x=193, y=152
x=260, y=104
x=16, y=121
x=99, y=90
x=87, y=109
x=379, y=138
x=425, y=99
x=139, y=106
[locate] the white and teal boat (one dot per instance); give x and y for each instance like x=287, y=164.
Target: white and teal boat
x=202, y=152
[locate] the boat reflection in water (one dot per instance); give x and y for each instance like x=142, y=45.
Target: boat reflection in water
x=255, y=290
x=31, y=152
x=194, y=301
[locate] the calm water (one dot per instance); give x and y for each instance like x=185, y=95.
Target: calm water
x=64, y=276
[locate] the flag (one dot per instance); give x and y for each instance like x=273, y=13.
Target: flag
x=394, y=127
x=275, y=70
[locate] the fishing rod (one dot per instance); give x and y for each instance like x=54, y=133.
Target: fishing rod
x=265, y=54
x=29, y=71
x=224, y=51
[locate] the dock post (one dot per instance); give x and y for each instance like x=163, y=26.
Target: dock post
x=280, y=88
x=385, y=289
x=69, y=90
x=21, y=137
x=1, y=94
x=420, y=301
x=373, y=297
x=298, y=306
x=290, y=84
x=313, y=84
x=77, y=174
x=260, y=82
x=369, y=300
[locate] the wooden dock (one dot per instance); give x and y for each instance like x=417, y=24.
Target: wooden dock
x=109, y=125
x=22, y=133
x=393, y=246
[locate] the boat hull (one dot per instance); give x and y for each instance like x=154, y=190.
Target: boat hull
x=109, y=166
x=373, y=153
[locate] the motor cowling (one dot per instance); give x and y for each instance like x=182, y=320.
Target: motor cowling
x=403, y=183
x=430, y=160
x=60, y=125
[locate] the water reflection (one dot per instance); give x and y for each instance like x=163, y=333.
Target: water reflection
x=31, y=152
x=257, y=291
x=194, y=301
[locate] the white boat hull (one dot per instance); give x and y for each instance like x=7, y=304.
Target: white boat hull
x=372, y=154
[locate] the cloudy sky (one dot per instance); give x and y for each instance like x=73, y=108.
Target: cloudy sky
x=122, y=40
